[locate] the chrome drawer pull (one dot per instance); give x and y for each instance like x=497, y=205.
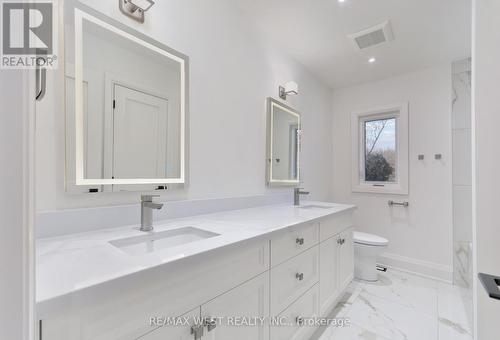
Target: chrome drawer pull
x=210, y=323
x=197, y=331
x=299, y=241
x=299, y=276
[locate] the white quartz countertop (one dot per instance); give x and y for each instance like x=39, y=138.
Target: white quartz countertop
x=71, y=263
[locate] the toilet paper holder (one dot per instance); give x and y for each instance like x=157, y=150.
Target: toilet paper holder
x=403, y=204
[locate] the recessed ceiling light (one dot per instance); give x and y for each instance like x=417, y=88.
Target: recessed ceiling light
x=372, y=60
x=341, y=1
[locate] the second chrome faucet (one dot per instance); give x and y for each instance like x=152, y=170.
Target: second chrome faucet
x=296, y=195
x=147, y=206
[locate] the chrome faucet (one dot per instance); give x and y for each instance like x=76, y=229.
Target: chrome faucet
x=296, y=195
x=147, y=206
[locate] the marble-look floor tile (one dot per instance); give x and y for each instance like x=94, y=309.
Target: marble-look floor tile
x=449, y=330
x=352, y=332
x=341, y=308
x=345, y=302
x=452, y=309
x=401, y=306
x=412, y=291
x=392, y=320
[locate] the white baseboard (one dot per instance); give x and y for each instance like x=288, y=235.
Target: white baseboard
x=427, y=269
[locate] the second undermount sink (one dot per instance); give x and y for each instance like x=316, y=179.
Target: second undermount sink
x=315, y=206
x=157, y=241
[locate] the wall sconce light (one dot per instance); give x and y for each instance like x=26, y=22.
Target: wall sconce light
x=290, y=88
x=135, y=8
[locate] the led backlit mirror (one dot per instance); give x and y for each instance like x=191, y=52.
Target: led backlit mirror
x=125, y=107
x=283, y=144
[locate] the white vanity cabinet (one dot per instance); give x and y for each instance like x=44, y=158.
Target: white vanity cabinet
x=329, y=273
x=311, y=279
x=336, y=259
x=292, y=275
x=240, y=312
x=236, y=314
x=294, y=241
x=346, y=258
x=293, y=278
x=122, y=310
x=305, y=307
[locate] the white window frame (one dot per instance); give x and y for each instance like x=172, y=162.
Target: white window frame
x=400, y=186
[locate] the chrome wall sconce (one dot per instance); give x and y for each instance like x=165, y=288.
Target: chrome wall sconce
x=135, y=9
x=290, y=88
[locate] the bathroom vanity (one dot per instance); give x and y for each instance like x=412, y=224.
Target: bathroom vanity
x=201, y=277
x=275, y=262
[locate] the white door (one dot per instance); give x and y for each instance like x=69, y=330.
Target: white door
x=172, y=332
x=346, y=258
x=139, y=132
x=328, y=272
x=250, y=300
x=486, y=186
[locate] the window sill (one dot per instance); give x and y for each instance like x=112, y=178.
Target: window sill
x=390, y=189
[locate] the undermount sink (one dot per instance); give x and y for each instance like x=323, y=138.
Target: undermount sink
x=157, y=241
x=315, y=206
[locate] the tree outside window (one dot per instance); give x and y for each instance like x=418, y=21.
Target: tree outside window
x=380, y=150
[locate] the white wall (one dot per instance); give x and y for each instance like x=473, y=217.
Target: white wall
x=232, y=71
x=486, y=122
x=421, y=235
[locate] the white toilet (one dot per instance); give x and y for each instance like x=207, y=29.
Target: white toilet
x=367, y=248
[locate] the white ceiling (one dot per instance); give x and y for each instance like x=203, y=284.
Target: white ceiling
x=314, y=32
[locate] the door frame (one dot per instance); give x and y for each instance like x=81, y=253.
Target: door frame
x=28, y=206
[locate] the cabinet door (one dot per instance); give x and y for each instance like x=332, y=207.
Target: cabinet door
x=248, y=301
x=181, y=331
x=328, y=272
x=346, y=258
x=306, y=307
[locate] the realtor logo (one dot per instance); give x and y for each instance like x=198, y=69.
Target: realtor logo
x=28, y=34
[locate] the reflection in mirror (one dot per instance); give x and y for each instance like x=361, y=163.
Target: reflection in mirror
x=124, y=106
x=283, y=144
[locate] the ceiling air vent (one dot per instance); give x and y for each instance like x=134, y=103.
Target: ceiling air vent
x=373, y=36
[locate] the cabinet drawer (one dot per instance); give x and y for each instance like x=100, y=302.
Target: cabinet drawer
x=293, y=278
x=294, y=242
x=334, y=225
x=305, y=307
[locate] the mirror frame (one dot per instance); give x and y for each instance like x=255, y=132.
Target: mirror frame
x=271, y=104
x=80, y=12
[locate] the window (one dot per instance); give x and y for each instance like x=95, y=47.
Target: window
x=380, y=150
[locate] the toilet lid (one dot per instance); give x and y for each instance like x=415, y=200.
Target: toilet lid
x=369, y=239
